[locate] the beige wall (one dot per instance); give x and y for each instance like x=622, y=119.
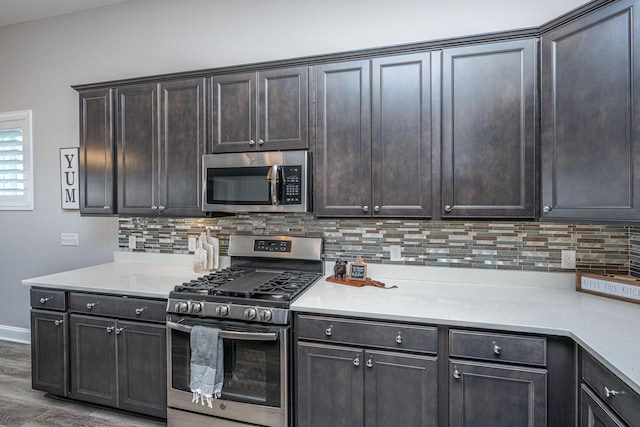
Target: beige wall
x=42, y=59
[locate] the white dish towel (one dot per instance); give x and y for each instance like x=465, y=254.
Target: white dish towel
x=207, y=364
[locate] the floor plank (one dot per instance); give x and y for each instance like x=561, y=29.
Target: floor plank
x=21, y=406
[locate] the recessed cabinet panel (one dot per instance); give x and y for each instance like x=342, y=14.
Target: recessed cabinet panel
x=49, y=352
x=234, y=112
x=488, y=130
x=589, y=105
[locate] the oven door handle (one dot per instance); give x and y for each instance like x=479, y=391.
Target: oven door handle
x=232, y=335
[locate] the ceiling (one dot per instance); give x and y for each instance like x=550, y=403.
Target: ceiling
x=17, y=11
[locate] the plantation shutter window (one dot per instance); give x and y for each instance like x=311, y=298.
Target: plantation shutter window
x=16, y=172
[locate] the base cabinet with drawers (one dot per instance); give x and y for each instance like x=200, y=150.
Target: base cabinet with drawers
x=364, y=373
x=604, y=399
x=49, y=341
x=118, y=352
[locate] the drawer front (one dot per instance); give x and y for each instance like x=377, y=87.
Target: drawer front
x=498, y=347
x=48, y=299
x=611, y=389
x=119, y=307
x=394, y=336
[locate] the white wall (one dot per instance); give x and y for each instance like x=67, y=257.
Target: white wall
x=40, y=60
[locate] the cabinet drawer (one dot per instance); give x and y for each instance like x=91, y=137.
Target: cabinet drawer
x=368, y=333
x=48, y=299
x=611, y=389
x=499, y=347
x=119, y=307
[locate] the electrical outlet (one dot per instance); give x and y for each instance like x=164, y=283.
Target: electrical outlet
x=192, y=244
x=69, y=239
x=568, y=259
x=132, y=242
x=395, y=252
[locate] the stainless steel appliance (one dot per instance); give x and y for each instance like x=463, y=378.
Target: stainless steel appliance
x=249, y=304
x=266, y=181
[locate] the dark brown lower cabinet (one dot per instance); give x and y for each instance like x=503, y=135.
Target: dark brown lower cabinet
x=495, y=395
x=344, y=386
x=118, y=363
x=49, y=352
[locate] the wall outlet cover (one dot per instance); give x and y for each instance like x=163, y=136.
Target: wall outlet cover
x=132, y=242
x=568, y=259
x=395, y=252
x=69, y=239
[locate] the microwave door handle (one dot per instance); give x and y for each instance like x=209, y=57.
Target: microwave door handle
x=273, y=176
x=233, y=335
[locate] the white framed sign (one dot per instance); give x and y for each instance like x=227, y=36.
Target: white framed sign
x=69, y=178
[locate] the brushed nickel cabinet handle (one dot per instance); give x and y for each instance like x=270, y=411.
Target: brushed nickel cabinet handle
x=496, y=349
x=328, y=331
x=448, y=208
x=547, y=209
x=399, y=338
x=356, y=361
x=58, y=322
x=365, y=208
x=44, y=300
x=370, y=362
x=456, y=373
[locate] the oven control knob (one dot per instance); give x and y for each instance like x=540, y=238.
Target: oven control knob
x=222, y=310
x=196, y=307
x=182, y=307
x=266, y=315
x=250, y=313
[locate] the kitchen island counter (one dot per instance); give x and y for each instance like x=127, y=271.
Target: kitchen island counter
x=529, y=302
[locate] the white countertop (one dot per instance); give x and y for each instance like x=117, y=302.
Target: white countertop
x=533, y=302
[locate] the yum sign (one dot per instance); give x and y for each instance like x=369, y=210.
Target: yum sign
x=69, y=178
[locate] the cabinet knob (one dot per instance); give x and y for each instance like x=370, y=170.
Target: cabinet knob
x=118, y=330
x=44, y=300
x=376, y=208
x=91, y=305
x=327, y=331
x=154, y=208
x=448, y=208
x=370, y=362
x=58, y=322
x=365, y=208
x=456, y=373
x=547, y=209
x=140, y=310
x=399, y=338
x=161, y=208
x=356, y=361
x=496, y=349
x=610, y=393
x=110, y=329
x=252, y=142
x=260, y=141
x=106, y=208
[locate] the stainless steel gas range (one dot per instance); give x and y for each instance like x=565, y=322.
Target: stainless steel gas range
x=248, y=304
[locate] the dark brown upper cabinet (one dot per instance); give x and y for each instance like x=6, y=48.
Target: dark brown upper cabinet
x=590, y=105
x=160, y=142
x=489, y=130
x=373, y=137
x=96, y=153
x=266, y=110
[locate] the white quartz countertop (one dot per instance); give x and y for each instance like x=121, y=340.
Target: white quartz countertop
x=133, y=274
x=532, y=302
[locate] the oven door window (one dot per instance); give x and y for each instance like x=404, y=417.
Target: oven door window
x=251, y=369
x=238, y=186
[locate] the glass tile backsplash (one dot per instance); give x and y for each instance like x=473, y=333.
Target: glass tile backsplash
x=476, y=244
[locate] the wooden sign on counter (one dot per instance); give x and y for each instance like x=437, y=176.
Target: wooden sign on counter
x=625, y=288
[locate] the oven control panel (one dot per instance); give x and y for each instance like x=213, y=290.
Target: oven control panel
x=272, y=246
x=248, y=313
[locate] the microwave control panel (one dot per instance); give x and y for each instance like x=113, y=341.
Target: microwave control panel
x=292, y=185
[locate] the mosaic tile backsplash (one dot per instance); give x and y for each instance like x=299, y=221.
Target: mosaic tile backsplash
x=533, y=246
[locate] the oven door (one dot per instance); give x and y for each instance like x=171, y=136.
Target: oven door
x=255, y=387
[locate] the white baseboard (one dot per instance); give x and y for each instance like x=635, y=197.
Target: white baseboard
x=11, y=333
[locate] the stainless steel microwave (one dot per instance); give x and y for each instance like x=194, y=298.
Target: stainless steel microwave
x=268, y=181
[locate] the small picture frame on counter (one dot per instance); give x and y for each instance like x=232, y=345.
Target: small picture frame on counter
x=358, y=270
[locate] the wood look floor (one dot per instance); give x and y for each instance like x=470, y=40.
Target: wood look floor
x=22, y=406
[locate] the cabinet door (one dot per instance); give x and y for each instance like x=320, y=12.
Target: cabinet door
x=400, y=390
x=330, y=384
x=93, y=359
x=489, y=130
x=283, y=104
x=401, y=136
x=137, y=144
x=49, y=352
x=142, y=365
x=594, y=413
x=343, y=140
x=96, y=153
x=233, y=125
x=182, y=144
x=494, y=395
x=590, y=102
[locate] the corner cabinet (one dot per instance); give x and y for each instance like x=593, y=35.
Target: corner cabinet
x=160, y=140
x=489, y=130
x=97, y=153
x=373, y=137
x=364, y=373
x=265, y=110
x=590, y=104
